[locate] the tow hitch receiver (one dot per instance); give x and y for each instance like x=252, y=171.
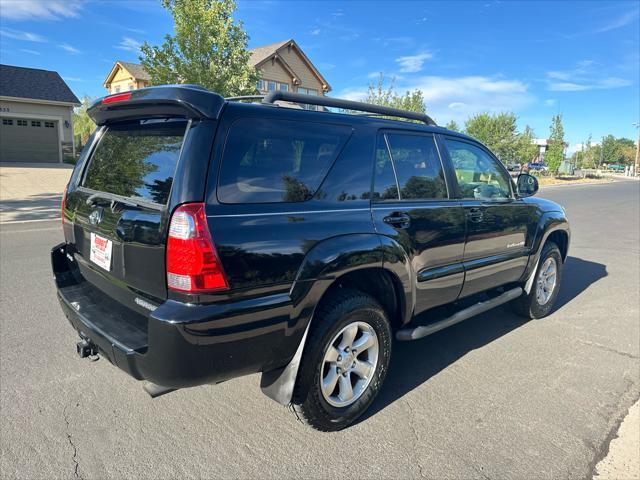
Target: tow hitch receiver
x=86, y=349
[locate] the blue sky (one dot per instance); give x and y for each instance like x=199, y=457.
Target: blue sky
x=581, y=59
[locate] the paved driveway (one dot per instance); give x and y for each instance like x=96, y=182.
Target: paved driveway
x=31, y=192
x=493, y=397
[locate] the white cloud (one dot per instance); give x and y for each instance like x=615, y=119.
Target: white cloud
x=20, y=35
x=601, y=84
x=315, y=31
x=128, y=44
x=413, y=63
x=584, y=76
x=31, y=52
x=39, y=9
x=550, y=102
x=619, y=22
x=73, y=79
x=457, y=98
x=69, y=48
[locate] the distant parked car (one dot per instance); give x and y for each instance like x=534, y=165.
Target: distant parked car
x=616, y=167
x=541, y=167
x=513, y=167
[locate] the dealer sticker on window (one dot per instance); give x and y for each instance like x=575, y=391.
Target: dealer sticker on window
x=101, y=251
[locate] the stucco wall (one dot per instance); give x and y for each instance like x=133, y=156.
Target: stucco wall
x=40, y=111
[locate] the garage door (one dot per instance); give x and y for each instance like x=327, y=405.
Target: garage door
x=29, y=140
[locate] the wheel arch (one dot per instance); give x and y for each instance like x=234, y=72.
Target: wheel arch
x=346, y=261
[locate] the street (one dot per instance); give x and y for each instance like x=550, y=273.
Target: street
x=492, y=397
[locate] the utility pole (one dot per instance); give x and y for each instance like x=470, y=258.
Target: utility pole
x=636, y=170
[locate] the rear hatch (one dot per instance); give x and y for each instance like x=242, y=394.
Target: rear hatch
x=119, y=207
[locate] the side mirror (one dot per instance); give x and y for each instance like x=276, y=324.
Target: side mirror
x=527, y=185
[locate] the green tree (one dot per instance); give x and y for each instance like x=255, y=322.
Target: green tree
x=526, y=150
x=381, y=94
x=209, y=48
x=83, y=126
x=500, y=133
x=618, y=150
x=452, y=125
x=555, y=151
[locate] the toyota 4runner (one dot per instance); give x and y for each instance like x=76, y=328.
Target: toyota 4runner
x=207, y=238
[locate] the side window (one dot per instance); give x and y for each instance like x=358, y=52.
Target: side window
x=479, y=175
x=417, y=166
x=384, y=185
x=268, y=160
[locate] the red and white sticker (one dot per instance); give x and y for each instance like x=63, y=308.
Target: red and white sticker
x=101, y=251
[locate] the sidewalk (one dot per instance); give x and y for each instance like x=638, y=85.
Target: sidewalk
x=31, y=191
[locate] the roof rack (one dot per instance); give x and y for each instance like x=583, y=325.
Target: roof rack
x=242, y=98
x=273, y=97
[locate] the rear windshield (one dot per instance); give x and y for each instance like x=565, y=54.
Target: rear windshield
x=267, y=160
x=137, y=159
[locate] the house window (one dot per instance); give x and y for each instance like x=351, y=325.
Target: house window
x=271, y=86
x=308, y=91
x=130, y=87
x=36, y=123
x=117, y=89
x=7, y=121
x=48, y=124
x=22, y=123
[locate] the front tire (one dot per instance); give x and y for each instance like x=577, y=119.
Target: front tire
x=546, y=284
x=344, y=362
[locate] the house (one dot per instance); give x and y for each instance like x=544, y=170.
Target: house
x=543, y=145
x=36, y=109
x=125, y=76
x=284, y=66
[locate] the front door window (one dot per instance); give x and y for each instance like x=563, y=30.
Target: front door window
x=479, y=175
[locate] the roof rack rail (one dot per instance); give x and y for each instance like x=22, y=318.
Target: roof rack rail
x=242, y=98
x=273, y=97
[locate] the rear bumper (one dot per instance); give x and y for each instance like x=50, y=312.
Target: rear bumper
x=178, y=345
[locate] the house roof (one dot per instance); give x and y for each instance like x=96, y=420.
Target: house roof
x=135, y=69
x=34, y=84
x=259, y=55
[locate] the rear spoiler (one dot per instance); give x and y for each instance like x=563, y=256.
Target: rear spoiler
x=190, y=101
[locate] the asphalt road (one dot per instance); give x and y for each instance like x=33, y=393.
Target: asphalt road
x=493, y=397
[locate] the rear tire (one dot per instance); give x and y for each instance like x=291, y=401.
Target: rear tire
x=546, y=284
x=335, y=385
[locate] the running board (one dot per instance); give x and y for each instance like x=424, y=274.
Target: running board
x=472, y=311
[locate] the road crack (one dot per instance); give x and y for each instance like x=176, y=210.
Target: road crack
x=73, y=445
x=608, y=349
x=416, y=456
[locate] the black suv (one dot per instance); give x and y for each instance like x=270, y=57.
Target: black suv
x=208, y=238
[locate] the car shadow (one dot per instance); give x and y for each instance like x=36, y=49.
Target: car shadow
x=413, y=363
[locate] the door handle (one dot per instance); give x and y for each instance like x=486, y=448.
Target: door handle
x=398, y=220
x=475, y=215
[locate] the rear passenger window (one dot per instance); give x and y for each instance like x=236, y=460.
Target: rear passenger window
x=385, y=186
x=417, y=166
x=269, y=160
x=137, y=159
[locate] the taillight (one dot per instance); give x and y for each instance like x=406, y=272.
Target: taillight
x=118, y=97
x=193, y=265
x=64, y=197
